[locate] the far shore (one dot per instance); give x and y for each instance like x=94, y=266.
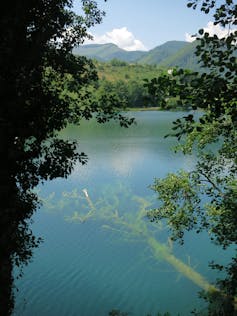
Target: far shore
x=154, y=109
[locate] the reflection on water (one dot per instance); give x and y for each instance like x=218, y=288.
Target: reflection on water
x=100, y=252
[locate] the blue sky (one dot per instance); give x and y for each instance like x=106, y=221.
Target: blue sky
x=145, y=24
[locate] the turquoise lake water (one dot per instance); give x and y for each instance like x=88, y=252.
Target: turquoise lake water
x=96, y=255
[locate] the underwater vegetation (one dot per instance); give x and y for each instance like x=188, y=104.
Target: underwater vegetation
x=111, y=210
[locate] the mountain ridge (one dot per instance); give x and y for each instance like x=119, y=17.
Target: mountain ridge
x=169, y=54
x=107, y=52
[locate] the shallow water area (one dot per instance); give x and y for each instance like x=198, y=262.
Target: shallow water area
x=99, y=251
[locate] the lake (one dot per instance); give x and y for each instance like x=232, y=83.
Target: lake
x=100, y=252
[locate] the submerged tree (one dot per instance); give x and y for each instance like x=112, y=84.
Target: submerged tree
x=43, y=87
x=210, y=133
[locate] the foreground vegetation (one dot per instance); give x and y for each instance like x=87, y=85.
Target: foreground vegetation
x=43, y=88
x=214, y=178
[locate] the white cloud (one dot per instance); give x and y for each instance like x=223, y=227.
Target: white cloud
x=212, y=30
x=189, y=38
x=120, y=37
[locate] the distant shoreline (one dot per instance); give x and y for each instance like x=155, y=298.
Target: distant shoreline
x=144, y=109
x=153, y=109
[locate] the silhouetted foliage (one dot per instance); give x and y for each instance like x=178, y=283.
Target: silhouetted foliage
x=43, y=87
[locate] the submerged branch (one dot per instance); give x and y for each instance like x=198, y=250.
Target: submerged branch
x=209, y=180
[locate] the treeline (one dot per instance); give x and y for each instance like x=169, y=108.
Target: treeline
x=127, y=83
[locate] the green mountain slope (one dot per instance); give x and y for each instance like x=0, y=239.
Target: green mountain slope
x=160, y=53
x=184, y=58
x=107, y=52
x=170, y=54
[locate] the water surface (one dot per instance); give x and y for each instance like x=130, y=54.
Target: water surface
x=95, y=259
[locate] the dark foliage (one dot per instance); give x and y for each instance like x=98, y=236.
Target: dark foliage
x=43, y=87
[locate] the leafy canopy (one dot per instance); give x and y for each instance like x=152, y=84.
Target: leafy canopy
x=205, y=198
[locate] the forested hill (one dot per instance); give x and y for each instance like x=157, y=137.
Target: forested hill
x=170, y=54
x=107, y=52
x=125, y=85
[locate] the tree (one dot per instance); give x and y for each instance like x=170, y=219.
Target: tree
x=211, y=134
x=43, y=87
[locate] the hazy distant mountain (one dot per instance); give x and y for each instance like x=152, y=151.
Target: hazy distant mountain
x=170, y=54
x=106, y=52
